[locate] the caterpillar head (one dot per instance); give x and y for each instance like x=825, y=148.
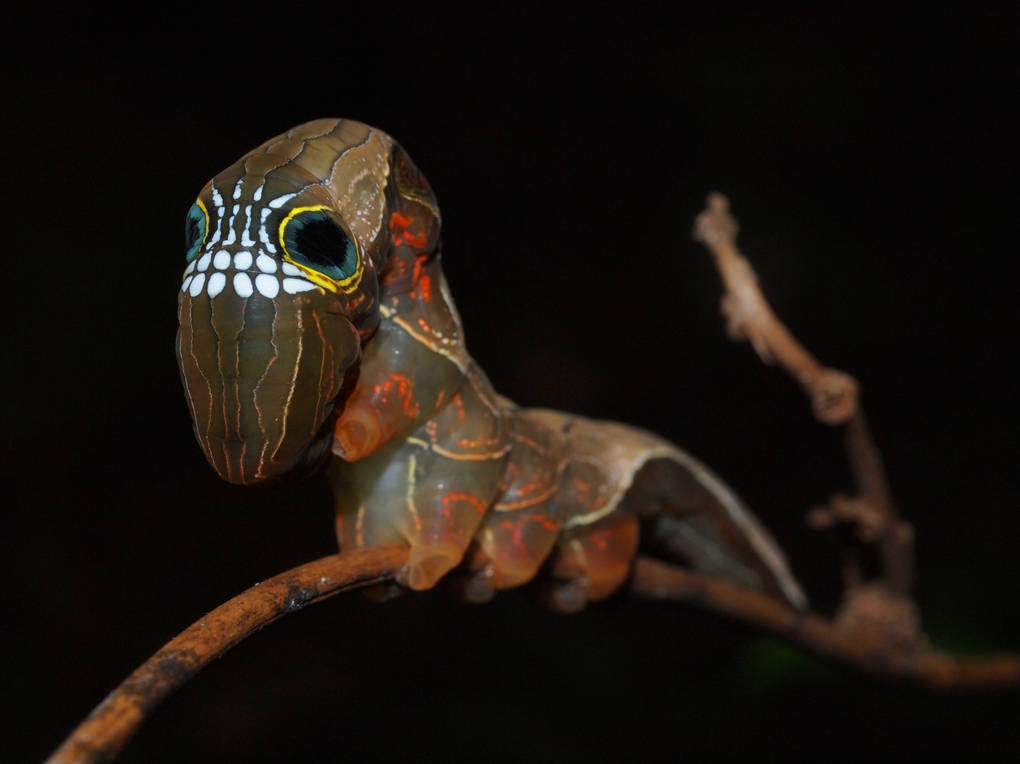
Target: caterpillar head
x=276, y=298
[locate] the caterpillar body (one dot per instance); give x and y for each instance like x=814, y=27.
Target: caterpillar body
x=317, y=330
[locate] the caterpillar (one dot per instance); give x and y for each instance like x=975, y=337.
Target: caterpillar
x=317, y=331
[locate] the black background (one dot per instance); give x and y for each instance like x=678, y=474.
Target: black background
x=871, y=158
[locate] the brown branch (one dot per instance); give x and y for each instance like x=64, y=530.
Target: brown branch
x=867, y=649
x=114, y=721
x=749, y=317
x=834, y=395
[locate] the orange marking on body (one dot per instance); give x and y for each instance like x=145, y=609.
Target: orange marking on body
x=468, y=443
x=422, y=279
x=459, y=403
x=474, y=501
x=425, y=288
x=403, y=387
x=548, y=523
x=398, y=228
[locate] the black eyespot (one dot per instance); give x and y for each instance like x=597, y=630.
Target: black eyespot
x=196, y=229
x=313, y=239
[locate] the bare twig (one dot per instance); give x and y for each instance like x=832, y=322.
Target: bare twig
x=749, y=317
x=867, y=650
x=884, y=604
x=114, y=721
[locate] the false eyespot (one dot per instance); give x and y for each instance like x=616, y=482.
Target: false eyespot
x=196, y=229
x=314, y=240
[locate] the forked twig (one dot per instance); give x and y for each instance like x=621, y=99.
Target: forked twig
x=882, y=608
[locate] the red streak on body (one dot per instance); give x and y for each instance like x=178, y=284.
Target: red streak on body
x=422, y=279
x=474, y=501
x=459, y=403
x=398, y=228
x=403, y=387
x=581, y=485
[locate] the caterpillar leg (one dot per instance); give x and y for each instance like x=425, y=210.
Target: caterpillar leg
x=430, y=488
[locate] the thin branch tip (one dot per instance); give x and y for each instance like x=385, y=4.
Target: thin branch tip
x=714, y=226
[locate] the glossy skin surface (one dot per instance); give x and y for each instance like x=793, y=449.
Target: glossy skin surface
x=295, y=350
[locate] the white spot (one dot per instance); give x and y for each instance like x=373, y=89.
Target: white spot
x=281, y=200
x=242, y=284
x=187, y=281
x=216, y=283
x=196, y=285
x=290, y=269
x=265, y=263
x=242, y=260
x=203, y=261
x=217, y=198
x=237, y=189
x=293, y=286
x=267, y=285
x=191, y=266
x=258, y=191
x=222, y=260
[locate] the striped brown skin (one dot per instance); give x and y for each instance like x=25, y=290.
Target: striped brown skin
x=262, y=377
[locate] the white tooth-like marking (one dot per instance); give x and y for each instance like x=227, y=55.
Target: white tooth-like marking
x=268, y=286
x=231, y=233
x=218, y=203
x=187, y=283
x=242, y=284
x=290, y=270
x=281, y=200
x=246, y=239
x=216, y=234
x=203, y=261
x=242, y=260
x=221, y=260
x=293, y=286
x=263, y=233
x=265, y=263
x=237, y=189
x=197, y=284
x=191, y=266
x=216, y=283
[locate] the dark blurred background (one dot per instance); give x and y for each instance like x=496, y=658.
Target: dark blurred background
x=872, y=160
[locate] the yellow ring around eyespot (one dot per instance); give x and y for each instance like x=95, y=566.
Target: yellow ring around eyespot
x=205, y=234
x=201, y=206
x=346, y=285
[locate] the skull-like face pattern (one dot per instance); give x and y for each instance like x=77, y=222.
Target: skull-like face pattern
x=274, y=286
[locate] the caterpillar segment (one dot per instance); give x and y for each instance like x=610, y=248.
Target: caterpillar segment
x=316, y=327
